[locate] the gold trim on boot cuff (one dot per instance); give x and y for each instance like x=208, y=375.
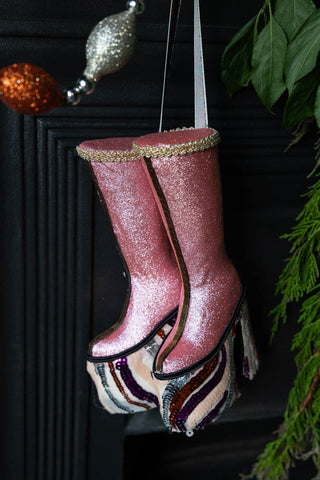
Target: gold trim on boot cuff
x=107, y=155
x=204, y=143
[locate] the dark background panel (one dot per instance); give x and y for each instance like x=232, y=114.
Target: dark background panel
x=62, y=280
x=221, y=453
x=156, y=11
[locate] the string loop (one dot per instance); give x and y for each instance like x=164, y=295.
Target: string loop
x=200, y=96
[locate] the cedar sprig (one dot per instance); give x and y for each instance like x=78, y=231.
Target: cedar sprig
x=301, y=270
x=299, y=435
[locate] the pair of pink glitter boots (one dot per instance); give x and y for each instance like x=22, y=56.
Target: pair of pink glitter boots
x=172, y=347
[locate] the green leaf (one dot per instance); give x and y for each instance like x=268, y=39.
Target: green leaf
x=291, y=14
x=300, y=104
x=268, y=62
x=317, y=107
x=235, y=64
x=303, y=51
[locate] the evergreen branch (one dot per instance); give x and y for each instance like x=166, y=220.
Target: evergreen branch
x=317, y=156
x=296, y=432
x=299, y=435
x=312, y=389
x=301, y=270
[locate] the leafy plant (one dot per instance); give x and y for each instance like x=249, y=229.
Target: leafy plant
x=278, y=47
x=277, y=52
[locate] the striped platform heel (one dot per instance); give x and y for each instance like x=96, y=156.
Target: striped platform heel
x=191, y=402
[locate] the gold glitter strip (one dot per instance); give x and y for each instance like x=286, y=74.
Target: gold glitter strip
x=178, y=149
x=108, y=155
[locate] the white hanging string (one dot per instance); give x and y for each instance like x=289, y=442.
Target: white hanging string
x=172, y=28
x=200, y=96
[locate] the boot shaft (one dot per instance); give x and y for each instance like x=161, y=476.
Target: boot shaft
x=153, y=274
x=129, y=205
x=184, y=172
x=187, y=178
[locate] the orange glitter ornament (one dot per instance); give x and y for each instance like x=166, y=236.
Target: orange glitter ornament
x=29, y=89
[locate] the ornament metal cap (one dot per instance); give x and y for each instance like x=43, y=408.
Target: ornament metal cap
x=136, y=5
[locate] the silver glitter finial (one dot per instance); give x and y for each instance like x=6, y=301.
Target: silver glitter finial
x=110, y=44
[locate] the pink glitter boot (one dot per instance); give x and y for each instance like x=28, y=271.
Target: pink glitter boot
x=195, y=362
x=120, y=359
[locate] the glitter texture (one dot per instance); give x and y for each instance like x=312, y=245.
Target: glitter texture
x=187, y=389
x=124, y=382
x=110, y=44
x=154, y=275
x=190, y=401
x=29, y=89
x=203, y=391
x=191, y=188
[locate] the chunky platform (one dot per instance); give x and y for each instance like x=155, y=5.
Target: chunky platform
x=126, y=385
x=193, y=401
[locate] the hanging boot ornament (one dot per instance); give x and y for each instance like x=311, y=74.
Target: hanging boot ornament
x=194, y=366
x=120, y=359
x=28, y=89
x=163, y=195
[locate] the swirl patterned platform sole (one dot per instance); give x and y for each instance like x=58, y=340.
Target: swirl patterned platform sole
x=190, y=402
x=125, y=385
